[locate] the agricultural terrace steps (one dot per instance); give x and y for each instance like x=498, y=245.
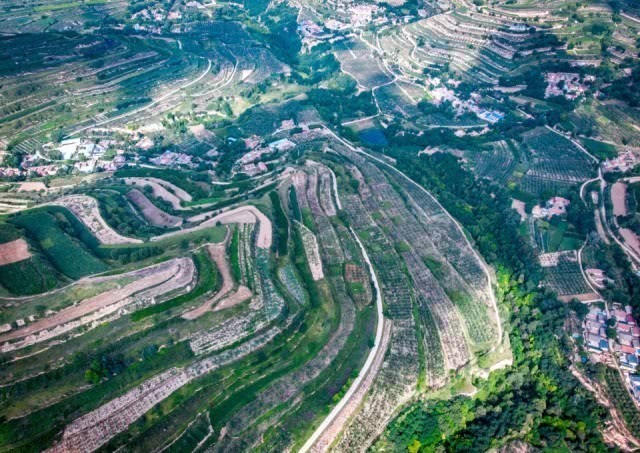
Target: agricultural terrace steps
x=97, y=278
x=242, y=215
x=218, y=254
x=146, y=107
x=87, y=211
x=312, y=250
x=164, y=271
x=483, y=265
x=334, y=180
x=178, y=192
x=150, y=213
x=367, y=365
x=161, y=189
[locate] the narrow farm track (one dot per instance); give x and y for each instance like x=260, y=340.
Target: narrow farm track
x=586, y=278
x=226, y=80
x=330, y=428
x=632, y=255
x=242, y=215
x=578, y=145
x=219, y=256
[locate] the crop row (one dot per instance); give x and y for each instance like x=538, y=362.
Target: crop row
x=356, y=60
x=242, y=426
x=566, y=279
x=497, y=164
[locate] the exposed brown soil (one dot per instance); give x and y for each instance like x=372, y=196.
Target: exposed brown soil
x=14, y=251
x=240, y=295
x=184, y=196
x=159, y=190
x=218, y=253
x=32, y=187
x=242, y=214
x=153, y=214
x=585, y=297
x=161, y=274
x=630, y=238
x=618, y=198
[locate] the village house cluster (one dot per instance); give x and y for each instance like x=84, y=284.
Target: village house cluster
x=152, y=19
x=595, y=330
x=248, y=164
x=567, y=84
x=314, y=34
x=627, y=345
x=598, y=277
x=622, y=163
x=615, y=334
x=172, y=159
x=442, y=93
x=81, y=154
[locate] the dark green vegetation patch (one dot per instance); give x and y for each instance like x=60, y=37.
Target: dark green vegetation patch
x=54, y=235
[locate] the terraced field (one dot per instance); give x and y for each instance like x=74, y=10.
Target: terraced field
x=210, y=241
x=438, y=316
x=555, y=163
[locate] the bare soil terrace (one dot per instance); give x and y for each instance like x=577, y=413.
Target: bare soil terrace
x=86, y=209
x=618, y=197
x=218, y=254
x=14, y=251
x=153, y=214
x=162, y=189
x=149, y=278
x=241, y=215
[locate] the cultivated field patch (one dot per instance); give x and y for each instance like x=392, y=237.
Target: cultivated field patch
x=14, y=251
x=86, y=209
x=152, y=214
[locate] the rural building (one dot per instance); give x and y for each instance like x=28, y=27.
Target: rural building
x=595, y=331
x=282, y=145
x=80, y=147
x=554, y=206
x=624, y=162
x=627, y=345
x=169, y=159
x=253, y=169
